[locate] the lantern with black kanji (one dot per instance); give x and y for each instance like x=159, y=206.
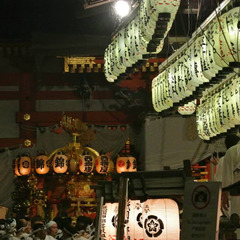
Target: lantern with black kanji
x=60, y=163
x=24, y=165
x=42, y=164
x=103, y=164
x=109, y=221
x=126, y=164
x=15, y=167
x=86, y=163
x=134, y=221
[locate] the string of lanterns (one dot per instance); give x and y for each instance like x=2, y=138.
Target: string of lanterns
x=206, y=61
x=65, y=163
x=152, y=219
x=219, y=111
x=143, y=35
x=72, y=158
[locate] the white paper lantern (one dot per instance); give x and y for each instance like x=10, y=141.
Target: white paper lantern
x=161, y=219
x=134, y=220
x=109, y=221
x=187, y=109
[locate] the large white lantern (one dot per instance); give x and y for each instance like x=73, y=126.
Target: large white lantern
x=161, y=219
x=134, y=220
x=109, y=221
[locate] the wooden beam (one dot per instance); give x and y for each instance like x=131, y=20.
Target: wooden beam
x=15, y=142
x=98, y=117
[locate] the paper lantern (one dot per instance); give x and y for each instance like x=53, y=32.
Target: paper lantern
x=161, y=219
x=86, y=164
x=15, y=167
x=109, y=221
x=134, y=220
x=24, y=165
x=126, y=164
x=102, y=164
x=60, y=163
x=187, y=109
x=42, y=164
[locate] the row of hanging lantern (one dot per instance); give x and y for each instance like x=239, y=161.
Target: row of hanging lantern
x=206, y=60
x=71, y=163
x=143, y=35
x=152, y=219
x=220, y=110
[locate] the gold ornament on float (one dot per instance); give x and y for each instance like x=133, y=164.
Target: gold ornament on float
x=67, y=159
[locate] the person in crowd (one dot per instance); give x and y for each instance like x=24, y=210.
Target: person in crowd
x=23, y=229
x=39, y=231
x=2, y=228
x=231, y=170
x=52, y=230
x=82, y=227
x=10, y=226
x=37, y=219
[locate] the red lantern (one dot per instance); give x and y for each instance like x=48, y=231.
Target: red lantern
x=126, y=164
x=60, y=163
x=42, y=164
x=102, y=164
x=24, y=165
x=86, y=164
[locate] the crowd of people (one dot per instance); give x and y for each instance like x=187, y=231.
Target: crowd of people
x=37, y=229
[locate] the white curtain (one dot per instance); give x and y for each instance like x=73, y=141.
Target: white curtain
x=169, y=141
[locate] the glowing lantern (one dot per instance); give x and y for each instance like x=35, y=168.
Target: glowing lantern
x=109, y=221
x=24, y=165
x=42, y=165
x=102, y=164
x=60, y=163
x=126, y=164
x=15, y=166
x=86, y=164
x=161, y=219
x=187, y=109
x=134, y=220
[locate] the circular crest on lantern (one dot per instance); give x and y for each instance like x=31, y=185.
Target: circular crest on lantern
x=23, y=165
x=60, y=163
x=126, y=164
x=42, y=164
x=153, y=226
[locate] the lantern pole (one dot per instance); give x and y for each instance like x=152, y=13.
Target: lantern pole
x=97, y=235
x=123, y=198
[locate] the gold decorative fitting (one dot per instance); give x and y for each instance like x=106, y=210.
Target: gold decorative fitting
x=26, y=117
x=27, y=143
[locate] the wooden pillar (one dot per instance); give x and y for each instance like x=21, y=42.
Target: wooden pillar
x=27, y=103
